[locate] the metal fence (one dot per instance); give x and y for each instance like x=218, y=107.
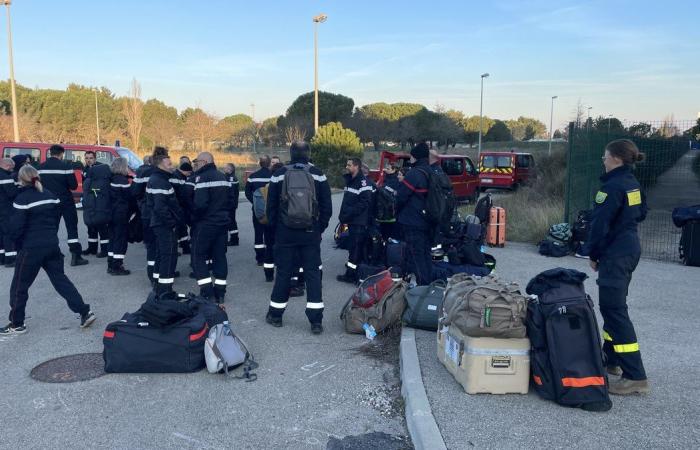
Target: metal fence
x=669, y=176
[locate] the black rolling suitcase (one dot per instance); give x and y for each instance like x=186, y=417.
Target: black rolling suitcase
x=566, y=359
x=689, y=248
x=134, y=346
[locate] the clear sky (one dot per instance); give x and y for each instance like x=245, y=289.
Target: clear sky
x=635, y=59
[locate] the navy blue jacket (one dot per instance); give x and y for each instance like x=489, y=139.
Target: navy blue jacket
x=619, y=207
x=35, y=218
x=234, y=190
x=411, y=197
x=162, y=206
x=212, y=198
x=138, y=186
x=285, y=236
x=357, y=199
x=120, y=195
x=256, y=180
x=58, y=177
x=8, y=192
x=391, y=182
x=86, y=169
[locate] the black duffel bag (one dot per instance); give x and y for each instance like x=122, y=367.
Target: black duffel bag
x=134, y=346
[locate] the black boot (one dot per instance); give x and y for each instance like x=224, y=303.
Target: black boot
x=118, y=268
x=110, y=264
x=269, y=275
x=91, y=250
x=233, y=240
x=77, y=260
x=102, y=253
x=185, y=246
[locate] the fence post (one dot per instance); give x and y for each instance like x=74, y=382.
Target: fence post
x=568, y=173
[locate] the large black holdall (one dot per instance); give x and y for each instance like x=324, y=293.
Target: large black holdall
x=689, y=248
x=423, y=306
x=134, y=346
x=566, y=359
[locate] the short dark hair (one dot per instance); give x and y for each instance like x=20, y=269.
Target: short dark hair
x=265, y=161
x=56, y=150
x=159, y=154
x=90, y=152
x=356, y=162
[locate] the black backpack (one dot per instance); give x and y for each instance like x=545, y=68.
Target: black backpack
x=552, y=247
x=97, y=209
x=482, y=210
x=440, y=201
x=579, y=232
x=566, y=358
x=385, y=205
x=375, y=251
x=299, y=205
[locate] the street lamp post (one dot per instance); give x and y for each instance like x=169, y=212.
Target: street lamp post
x=588, y=121
x=551, y=120
x=252, y=107
x=317, y=19
x=481, y=114
x=15, y=125
x=609, y=117
x=97, y=117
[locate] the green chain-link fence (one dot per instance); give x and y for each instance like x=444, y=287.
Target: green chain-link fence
x=667, y=178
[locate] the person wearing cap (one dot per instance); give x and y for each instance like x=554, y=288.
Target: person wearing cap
x=138, y=194
x=184, y=197
x=58, y=177
x=230, y=172
x=19, y=160
x=294, y=245
x=255, y=181
x=355, y=212
x=411, y=206
x=8, y=191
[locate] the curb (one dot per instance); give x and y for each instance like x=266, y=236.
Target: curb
x=422, y=427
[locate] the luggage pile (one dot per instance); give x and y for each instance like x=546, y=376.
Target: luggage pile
x=558, y=241
x=493, y=339
x=688, y=220
x=175, y=334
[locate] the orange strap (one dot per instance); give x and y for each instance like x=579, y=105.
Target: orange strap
x=583, y=382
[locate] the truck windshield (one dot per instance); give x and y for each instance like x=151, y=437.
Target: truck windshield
x=133, y=161
x=491, y=162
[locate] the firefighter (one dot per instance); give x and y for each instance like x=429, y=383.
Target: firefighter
x=411, y=206
x=614, y=250
x=165, y=214
x=263, y=233
x=210, y=219
x=120, y=196
x=354, y=211
x=97, y=206
x=388, y=227
x=138, y=194
x=293, y=244
x=179, y=180
x=58, y=177
x=34, y=226
x=230, y=172
x=94, y=237
x=8, y=191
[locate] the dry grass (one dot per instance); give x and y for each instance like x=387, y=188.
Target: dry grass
x=221, y=158
x=532, y=209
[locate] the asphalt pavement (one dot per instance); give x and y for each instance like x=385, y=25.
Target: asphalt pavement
x=312, y=391
x=663, y=304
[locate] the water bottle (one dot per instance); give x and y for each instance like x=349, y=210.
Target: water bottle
x=370, y=332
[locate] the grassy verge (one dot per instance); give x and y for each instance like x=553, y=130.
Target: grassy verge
x=532, y=209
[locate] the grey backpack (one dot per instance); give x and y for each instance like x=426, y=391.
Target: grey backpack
x=299, y=206
x=223, y=350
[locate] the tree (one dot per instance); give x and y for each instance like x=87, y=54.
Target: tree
x=133, y=112
x=238, y=129
x=471, y=128
x=557, y=134
x=693, y=132
x=578, y=114
x=499, y=132
x=526, y=128
x=270, y=132
x=667, y=129
x=199, y=128
x=160, y=123
x=610, y=125
x=331, y=147
x=331, y=108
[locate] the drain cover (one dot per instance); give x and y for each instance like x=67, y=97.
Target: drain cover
x=71, y=368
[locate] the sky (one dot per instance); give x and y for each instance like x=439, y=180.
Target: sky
x=636, y=60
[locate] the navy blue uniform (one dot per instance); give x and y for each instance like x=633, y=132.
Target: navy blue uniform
x=138, y=194
x=99, y=178
x=8, y=191
x=293, y=246
x=390, y=229
x=165, y=214
x=614, y=244
x=184, y=197
x=210, y=219
x=263, y=234
x=120, y=196
x=355, y=211
x=233, y=225
x=34, y=227
x=416, y=230
x=94, y=237
x=58, y=177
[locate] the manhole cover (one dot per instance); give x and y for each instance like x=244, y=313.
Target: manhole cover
x=69, y=369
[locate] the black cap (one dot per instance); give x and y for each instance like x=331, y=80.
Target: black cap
x=186, y=167
x=420, y=151
x=19, y=160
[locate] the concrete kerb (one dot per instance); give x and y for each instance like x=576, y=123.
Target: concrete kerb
x=421, y=424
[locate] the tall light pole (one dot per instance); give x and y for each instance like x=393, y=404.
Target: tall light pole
x=15, y=125
x=252, y=107
x=317, y=19
x=588, y=121
x=97, y=116
x=551, y=120
x=481, y=114
x=609, y=117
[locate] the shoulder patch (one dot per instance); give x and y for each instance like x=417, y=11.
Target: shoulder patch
x=600, y=197
x=634, y=197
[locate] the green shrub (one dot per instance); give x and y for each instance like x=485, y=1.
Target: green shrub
x=330, y=149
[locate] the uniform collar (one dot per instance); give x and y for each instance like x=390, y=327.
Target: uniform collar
x=206, y=167
x=623, y=169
